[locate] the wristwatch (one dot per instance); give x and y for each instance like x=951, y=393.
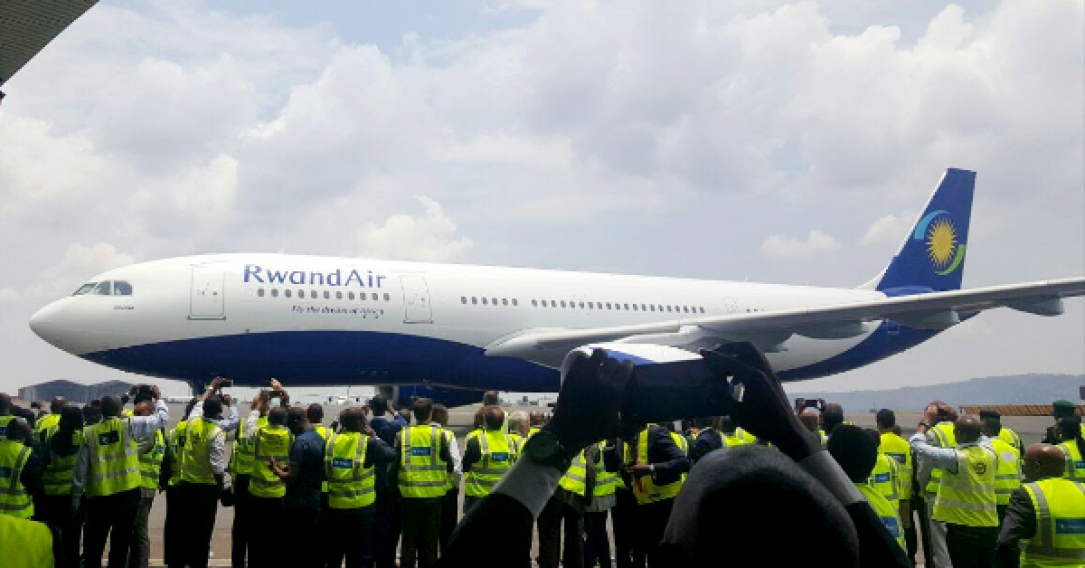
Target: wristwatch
x=544, y=448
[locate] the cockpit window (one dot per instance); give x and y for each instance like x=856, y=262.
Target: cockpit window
x=85, y=288
x=122, y=288
x=104, y=289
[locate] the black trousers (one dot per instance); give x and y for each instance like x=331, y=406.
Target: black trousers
x=265, y=543
x=111, y=517
x=386, y=528
x=421, y=521
x=200, y=505
x=239, y=531
x=555, y=516
x=450, y=515
x=627, y=552
x=350, y=533
x=971, y=547
x=651, y=522
x=173, y=550
x=597, y=541
x=56, y=510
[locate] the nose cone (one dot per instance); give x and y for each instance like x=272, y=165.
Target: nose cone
x=45, y=324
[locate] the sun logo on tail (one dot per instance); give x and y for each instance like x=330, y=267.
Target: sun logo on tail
x=936, y=229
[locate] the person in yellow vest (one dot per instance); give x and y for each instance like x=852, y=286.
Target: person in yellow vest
x=50, y=420
x=896, y=447
x=885, y=477
x=1045, y=520
x=733, y=435
x=564, y=513
x=450, y=503
x=424, y=463
x=266, y=489
x=488, y=454
x=303, y=475
x=107, y=471
x=172, y=532
x=241, y=466
x=832, y=415
x=21, y=471
x=151, y=453
x=992, y=420
x=1072, y=443
x=349, y=460
x=35, y=544
x=966, y=501
x=1008, y=477
x=60, y=443
x=203, y=471
x=929, y=478
x=1061, y=409
x=857, y=453
x=653, y=469
x=6, y=415
x=603, y=498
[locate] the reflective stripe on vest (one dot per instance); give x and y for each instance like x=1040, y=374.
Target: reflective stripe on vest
x=885, y=479
x=4, y=420
x=739, y=438
x=59, y=474
x=968, y=496
x=1008, y=475
x=176, y=447
x=885, y=510
x=645, y=490
x=575, y=479
x=196, y=458
x=14, y=498
x=606, y=482
x=943, y=438
x=1011, y=438
x=1060, y=524
x=324, y=434
x=1075, y=462
x=498, y=453
x=113, y=458
x=351, y=485
x=897, y=448
x=150, y=462
x=46, y=422
x=271, y=442
x=422, y=471
x=241, y=459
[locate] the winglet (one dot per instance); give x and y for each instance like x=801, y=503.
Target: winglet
x=933, y=254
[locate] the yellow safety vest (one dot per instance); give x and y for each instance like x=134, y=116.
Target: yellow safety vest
x=271, y=442
x=113, y=457
x=1075, y=462
x=59, y=474
x=451, y=482
x=943, y=438
x=351, y=485
x=498, y=454
x=14, y=498
x=1060, y=524
x=897, y=448
x=606, y=482
x=1008, y=476
x=150, y=462
x=1011, y=438
x=176, y=448
x=968, y=497
x=739, y=438
x=422, y=471
x=886, y=511
x=644, y=489
x=885, y=479
x=46, y=422
x=324, y=434
x=196, y=458
x=4, y=420
x=576, y=477
x=241, y=458
x=32, y=540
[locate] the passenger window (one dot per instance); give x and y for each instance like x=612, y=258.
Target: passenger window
x=653, y=306
x=582, y=305
x=260, y=292
x=591, y=306
x=702, y=310
x=338, y=295
x=634, y=307
x=286, y=293
x=122, y=288
x=474, y=300
x=484, y=301
x=626, y=307
x=494, y=301
x=685, y=309
x=534, y=304
x=608, y=305
x=514, y=303
x=504, y=301
x=328, y=295
x=85, y=288
x=301, y=293
x=350, y=295
x=463, y=299
x=387, y=297
x=104, y=289
x=274, y=292
x=563, y=303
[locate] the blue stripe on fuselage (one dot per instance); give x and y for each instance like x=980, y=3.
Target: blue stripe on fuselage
x=889, y=339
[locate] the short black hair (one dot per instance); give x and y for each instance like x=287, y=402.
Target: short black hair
x=832, y=417
x=212, y=407
x=276, y=416
x=493, y=417
x=378, y=404
x=315, y=413
x=422, y=409
x=142, y=396
x=886, y=418
x=987, y=413
x=352, y=419
x=854, y=450
x=5, y=403
x=111, y=406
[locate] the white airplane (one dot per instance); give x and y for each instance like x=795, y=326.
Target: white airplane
x=451, y=330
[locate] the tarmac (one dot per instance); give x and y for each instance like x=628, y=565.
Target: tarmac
x=1031, y=429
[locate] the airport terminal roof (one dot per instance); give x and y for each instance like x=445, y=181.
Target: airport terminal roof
x=27, y=26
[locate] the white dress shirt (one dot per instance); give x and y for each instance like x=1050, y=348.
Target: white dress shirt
x=139, y=427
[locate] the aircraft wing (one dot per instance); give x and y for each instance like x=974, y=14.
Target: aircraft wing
x=27, y=26
x=770, y=329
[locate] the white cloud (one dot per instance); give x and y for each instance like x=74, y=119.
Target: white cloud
x=9, y=295
x=431, y=237
x=79, y=263
x=888, y=230
x=817, y=243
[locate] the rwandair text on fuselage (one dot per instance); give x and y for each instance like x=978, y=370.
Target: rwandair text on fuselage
x=257, y=273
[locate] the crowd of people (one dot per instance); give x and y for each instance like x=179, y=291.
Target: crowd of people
x=763, y=483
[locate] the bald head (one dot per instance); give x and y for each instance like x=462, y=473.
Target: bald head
x=809, y=418
x=1043, y=461
x=967, y=428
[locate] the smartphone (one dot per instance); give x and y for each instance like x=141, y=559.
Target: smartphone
x=672, y=390
x=812, y=403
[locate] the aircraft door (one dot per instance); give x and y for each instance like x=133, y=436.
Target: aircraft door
x=416, y=302
x=208, y=299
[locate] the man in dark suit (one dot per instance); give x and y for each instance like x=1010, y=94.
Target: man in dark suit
x=386, y=508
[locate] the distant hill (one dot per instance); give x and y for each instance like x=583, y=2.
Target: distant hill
x=1012, y=389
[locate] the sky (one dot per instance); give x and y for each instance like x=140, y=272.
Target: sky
x=750, y=140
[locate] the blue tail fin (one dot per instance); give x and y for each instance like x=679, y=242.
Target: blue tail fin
x=932, y=256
